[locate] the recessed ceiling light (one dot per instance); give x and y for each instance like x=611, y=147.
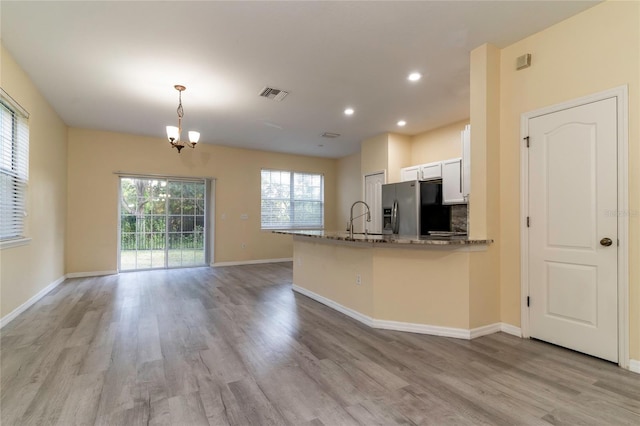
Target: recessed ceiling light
x=349, y=111
x=402, y=123
x=414, y=76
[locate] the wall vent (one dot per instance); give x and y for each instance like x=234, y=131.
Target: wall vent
x=523, y=61
x=274, y=94
x=330, y=135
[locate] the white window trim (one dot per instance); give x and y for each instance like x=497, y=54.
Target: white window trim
x=14, y=104
x=17, y=242
x=290, y=227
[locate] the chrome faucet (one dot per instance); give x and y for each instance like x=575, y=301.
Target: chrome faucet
x=367, y=213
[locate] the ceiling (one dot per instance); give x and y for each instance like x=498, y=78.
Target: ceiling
x=112, y=65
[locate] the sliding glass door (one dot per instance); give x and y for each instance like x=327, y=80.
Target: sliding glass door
x=162, y=223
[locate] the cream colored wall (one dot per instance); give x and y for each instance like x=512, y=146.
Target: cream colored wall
x=374, y=155
x=422, y=286
x=349, y=184
x=398, y=155
x=484, y=199
x=485, y=137
x=484, y=286
x=596, y=50
x=394, y=285
x=330, y=271
x=389, y=152
x=28, y=269
x=438, y=144
x=93, y=193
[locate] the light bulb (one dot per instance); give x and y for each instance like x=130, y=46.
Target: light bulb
x=173, y=134
x=194, y=137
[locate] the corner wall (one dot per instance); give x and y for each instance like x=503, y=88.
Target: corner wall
x=484, y=199
x=438, y=144
x=349, y=184
x=398, y=155
x=374, y=154
x=27, y=270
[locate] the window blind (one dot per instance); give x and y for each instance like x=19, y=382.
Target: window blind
x=292, y=200
x=14, y=167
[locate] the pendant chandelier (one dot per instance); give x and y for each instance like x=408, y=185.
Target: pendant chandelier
x=173, y=132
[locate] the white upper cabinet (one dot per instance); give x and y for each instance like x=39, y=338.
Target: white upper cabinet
x=431, y=171
x=466, y=161
x=455, y=173
x=410, y=173
x=452, y=181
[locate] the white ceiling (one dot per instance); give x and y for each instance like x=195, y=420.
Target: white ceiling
x=112, y=65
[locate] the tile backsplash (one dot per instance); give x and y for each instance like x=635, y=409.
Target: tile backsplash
x=459, y=216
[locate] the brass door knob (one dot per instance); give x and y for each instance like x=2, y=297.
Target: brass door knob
x=606, y=242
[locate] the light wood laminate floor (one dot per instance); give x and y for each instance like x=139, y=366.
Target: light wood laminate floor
x=235, y=345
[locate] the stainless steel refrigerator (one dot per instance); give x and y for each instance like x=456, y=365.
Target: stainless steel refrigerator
x=413, y=208
x=401, y=208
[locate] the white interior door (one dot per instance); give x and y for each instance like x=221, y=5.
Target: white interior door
x=373, y=197
x=573, y=279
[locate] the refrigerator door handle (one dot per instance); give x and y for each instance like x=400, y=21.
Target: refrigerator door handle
x=394, y=217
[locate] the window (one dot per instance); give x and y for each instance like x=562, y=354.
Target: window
x=14, y=168
x=292, y=200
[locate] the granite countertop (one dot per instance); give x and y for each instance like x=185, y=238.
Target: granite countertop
x=377, y=239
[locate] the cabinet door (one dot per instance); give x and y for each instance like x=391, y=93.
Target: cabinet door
x=466, y=164
x=409, y=173
x=452, y=181
x=431, y=171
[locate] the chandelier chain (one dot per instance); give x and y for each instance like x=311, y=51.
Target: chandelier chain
x=180, y=109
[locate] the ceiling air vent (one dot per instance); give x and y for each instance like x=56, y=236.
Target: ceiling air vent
x=274, y=94
x=330, y=135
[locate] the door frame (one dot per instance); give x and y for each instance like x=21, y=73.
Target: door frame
x=622, y=103
x=364, y=179
x=382, y=172
x=210, y=210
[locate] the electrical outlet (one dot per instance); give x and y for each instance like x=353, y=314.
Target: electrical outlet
x=243, y=246
x=358, y=279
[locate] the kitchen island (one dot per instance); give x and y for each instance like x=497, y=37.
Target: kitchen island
x=430, y=285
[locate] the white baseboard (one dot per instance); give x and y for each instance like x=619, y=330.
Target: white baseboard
x=251, y=262
x=365, y=319
x=485, y=330
x=634, y=365
x=90, y=274
x=510, y=329
x=26, y=305
x=434, y=330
